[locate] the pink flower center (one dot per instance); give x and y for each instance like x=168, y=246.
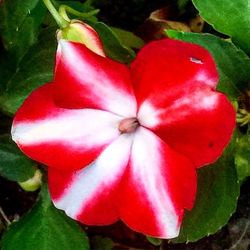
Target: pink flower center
x=128, y=125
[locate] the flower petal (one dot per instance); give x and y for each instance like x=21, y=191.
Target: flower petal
x=65, y=138
x=86, y=80
x=158, y=185
x=197, y=122
x=163, y=67
x=91, y=195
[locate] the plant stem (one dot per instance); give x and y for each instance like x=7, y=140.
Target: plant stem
x=62, y=23
x=236, y=244
x=4, y=217
x=63, y=9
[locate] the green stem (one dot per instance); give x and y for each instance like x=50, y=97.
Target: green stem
x=63, y=9
x=62, y=23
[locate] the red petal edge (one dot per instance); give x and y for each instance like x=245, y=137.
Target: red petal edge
x=84, y=79
x=63, y=138
x=149, y=194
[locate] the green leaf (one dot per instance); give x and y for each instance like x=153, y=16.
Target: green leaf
x=19, y=24
x=218, y=190
x=229, y=17
x=112, y=44
x=45, y=228
x=14, y=165
x=242, y=157
x=7, y=65
x=233, y=64
x=34, y=69
x=128, y=39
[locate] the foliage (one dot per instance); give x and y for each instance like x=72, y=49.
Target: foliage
x=44, y=227
x=216, y=199
x=14, y=165
x=228, y=17
x=28, y=48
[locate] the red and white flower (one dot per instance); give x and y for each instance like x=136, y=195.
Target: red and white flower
x=124, y=142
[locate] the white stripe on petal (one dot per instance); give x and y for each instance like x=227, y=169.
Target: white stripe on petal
x=76, y=128
x=147, y=170
x=99, y=84
x=150, y=116
x=105, y=171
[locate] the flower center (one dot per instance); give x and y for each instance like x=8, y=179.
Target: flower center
x=128, y=125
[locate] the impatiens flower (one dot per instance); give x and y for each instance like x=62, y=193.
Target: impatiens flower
x=124, y=142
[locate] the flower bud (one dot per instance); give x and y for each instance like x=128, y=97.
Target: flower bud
x=80, y=32
x=33, y=183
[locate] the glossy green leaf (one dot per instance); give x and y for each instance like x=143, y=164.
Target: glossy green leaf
x=7, y=65
x=19, y=24
x=128, y=38
x=34, y=69
x=232, y=63
x=229, y=17
x=45, y=228
x=242, y=157
x=112, y=44
x=14, y=165
x=218, y=190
